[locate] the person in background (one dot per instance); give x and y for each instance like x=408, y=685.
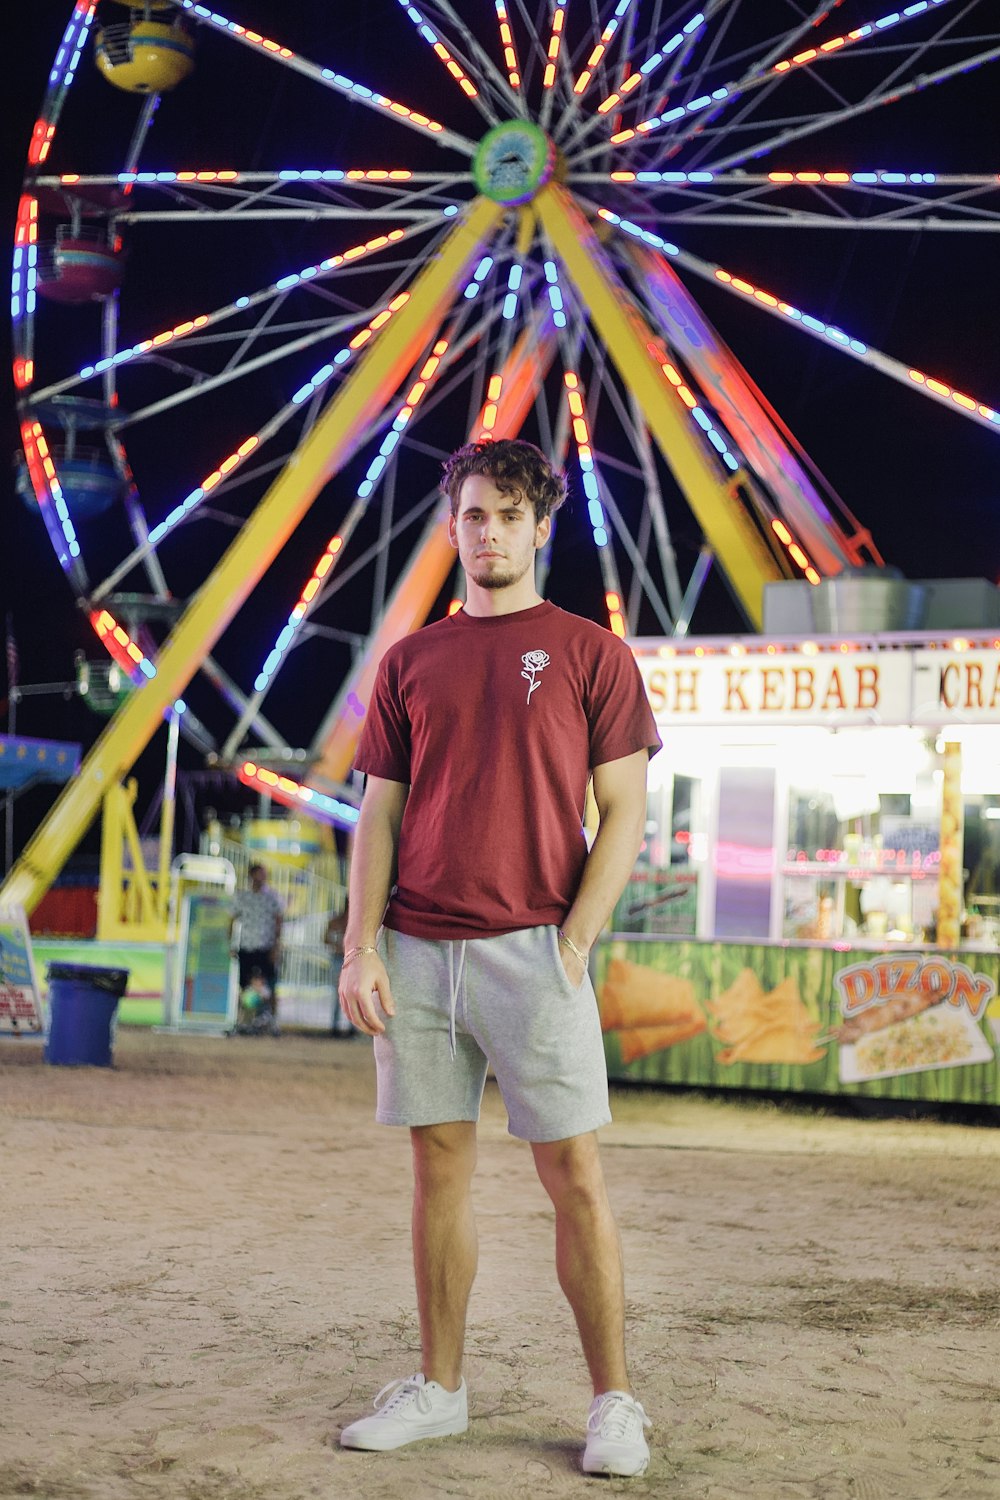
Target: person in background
x=259, y=914
x=340, y=1025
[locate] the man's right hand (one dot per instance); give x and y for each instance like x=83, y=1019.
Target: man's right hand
x=365, y=994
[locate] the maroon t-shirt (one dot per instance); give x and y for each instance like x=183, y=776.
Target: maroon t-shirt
x=495, y=724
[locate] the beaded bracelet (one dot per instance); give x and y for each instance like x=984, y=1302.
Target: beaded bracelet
x=353, y=953
x=583, y=957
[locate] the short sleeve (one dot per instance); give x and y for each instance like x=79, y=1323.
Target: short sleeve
x=384, y=747
x=618, y=712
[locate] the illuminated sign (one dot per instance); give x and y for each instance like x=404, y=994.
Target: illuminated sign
x=839, y=686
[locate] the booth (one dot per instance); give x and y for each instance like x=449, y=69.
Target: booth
x=816, y=906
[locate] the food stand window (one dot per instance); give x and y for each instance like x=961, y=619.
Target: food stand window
x=863, y=833
x=662, y=893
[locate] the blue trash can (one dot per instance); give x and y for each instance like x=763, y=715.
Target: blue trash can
x=82, y=1004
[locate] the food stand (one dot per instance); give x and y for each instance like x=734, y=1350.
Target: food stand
x=817, y=902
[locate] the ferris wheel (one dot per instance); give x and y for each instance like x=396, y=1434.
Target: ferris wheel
x=230, y=365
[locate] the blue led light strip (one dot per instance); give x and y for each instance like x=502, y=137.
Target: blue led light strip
x=651, y=62
x=556, y=300
x=328, y=76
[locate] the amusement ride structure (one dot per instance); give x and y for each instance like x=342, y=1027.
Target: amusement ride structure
x=520, y=265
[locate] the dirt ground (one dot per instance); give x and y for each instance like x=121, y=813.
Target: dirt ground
x=206, y=1274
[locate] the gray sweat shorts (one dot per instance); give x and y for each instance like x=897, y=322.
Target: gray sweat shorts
x=503, y=1002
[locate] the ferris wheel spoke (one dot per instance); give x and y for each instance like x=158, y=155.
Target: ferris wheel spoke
x=758, y=87
x=535, y=28
x=317, y=333
x=228, y=475
x=591, y=64
x=326, y=77
x=633, y=424
x=594, y=488
x=311, y=192
x=764, y=447
x=677, y=46
x=763, y=73
x=498, y=83
x=209, y=383
x=508, y=46
x=232, y=694
x=223, y=477
x=602, y=505
x=310, y=213
x=862, y=107
x=596, y=60
x=938, y=390
x=448, y=53
x=933, y=204
x=195, y=330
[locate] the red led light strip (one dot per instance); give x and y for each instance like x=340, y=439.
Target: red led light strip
x=555, y=43
x=599, y=50
x=507, y=41
x=412, y=399
x=795, y=552
x=121, y=646
x=585, y=452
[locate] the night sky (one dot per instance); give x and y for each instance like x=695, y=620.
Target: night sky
x=923, y=479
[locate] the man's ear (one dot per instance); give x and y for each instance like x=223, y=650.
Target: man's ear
x=452, y=533
x=542, y=532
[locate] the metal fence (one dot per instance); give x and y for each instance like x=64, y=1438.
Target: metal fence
x=310, y=895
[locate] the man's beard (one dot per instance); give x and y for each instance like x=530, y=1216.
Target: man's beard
x=504, y=580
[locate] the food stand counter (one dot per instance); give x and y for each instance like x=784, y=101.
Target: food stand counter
x=816, y=904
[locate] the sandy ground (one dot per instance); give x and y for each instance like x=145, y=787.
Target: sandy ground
x=206, y=1273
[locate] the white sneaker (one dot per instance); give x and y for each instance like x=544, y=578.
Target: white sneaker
x=615, y=1441
x=407, y=1411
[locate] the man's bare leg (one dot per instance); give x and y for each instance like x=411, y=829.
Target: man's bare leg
x=588, y=1253
x=445, y=1246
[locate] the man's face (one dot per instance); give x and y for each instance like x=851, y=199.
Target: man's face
x=256, y=878
x=496, y=534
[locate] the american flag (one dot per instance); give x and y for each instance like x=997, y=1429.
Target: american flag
x=13, y=659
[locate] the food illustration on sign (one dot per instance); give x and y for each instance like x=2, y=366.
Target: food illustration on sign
x=764, y=1026
x=910, y=1013
x=650, y=1011
x=931, y=1038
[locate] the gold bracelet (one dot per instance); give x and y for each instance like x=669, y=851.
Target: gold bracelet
x=583, y=957
x=353, y=953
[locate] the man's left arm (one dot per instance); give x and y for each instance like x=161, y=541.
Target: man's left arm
x=620, y=794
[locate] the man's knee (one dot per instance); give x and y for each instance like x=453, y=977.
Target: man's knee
x=444, y=1155
x=570, y=1171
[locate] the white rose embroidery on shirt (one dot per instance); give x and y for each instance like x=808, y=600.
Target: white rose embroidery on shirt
x=534, y=662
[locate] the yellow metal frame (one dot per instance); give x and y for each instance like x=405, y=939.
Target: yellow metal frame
x=130, y=904
x=357, y=402
x=728, y=529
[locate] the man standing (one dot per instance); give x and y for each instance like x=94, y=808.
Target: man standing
x=258, y=911
x=470, y=856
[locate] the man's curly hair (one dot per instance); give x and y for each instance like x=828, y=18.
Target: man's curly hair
x=515, y=467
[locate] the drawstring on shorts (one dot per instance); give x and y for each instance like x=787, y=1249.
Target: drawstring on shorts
x=454, y=984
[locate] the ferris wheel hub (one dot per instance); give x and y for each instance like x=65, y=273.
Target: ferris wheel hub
x=513, y=161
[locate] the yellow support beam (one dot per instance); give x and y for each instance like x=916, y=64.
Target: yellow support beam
x=357, y=402
x=411, y=600
x=127, y=902
x=727, y=528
